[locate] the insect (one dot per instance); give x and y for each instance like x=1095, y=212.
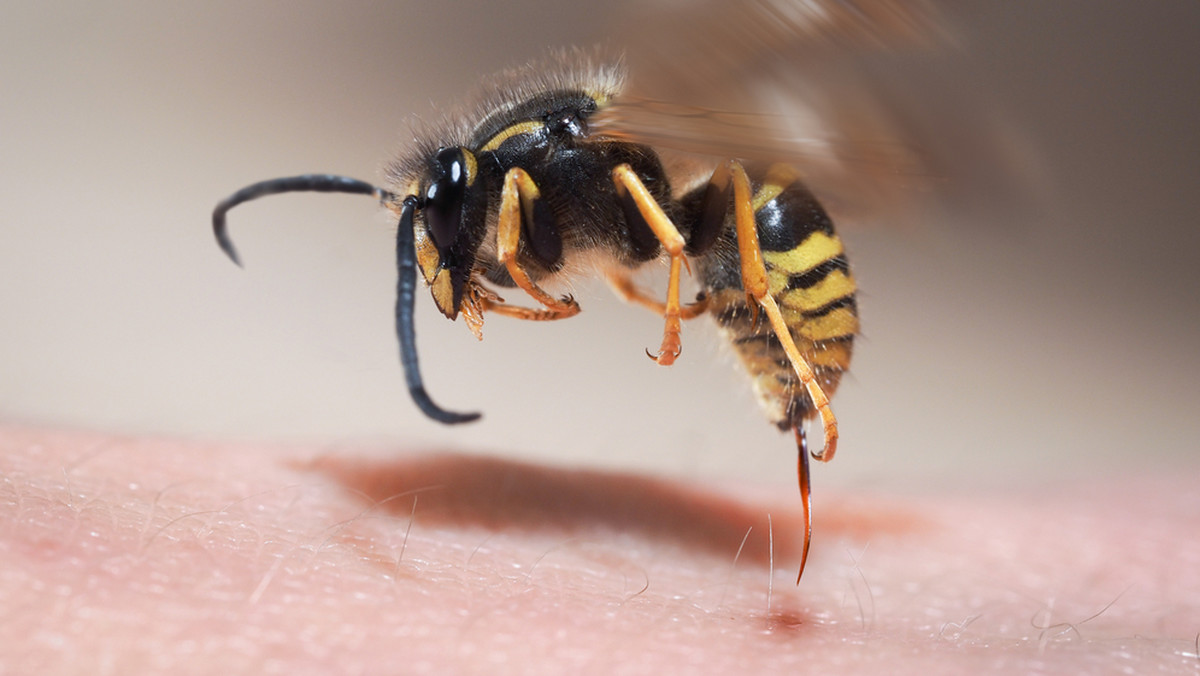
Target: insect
x=560, y=171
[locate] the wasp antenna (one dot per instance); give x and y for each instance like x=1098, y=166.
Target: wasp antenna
x=406, y=291
x=305, y=183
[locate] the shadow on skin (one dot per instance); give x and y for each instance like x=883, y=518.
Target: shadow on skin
x=507, y=495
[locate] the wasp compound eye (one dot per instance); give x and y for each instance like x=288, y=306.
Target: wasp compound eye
x=444, y=197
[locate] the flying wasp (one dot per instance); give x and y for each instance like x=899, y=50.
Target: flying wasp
x=562, y=169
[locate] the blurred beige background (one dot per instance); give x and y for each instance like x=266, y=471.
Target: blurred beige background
x=1065, y=343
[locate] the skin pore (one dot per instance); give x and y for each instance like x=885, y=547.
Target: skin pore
x=146, y=555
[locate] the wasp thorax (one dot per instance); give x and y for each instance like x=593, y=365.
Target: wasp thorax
x=567, y=122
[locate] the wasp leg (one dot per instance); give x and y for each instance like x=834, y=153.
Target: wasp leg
x=754, y=281
x=629, y=185
x=527, y=313
x=622, y=284
x=519, y=199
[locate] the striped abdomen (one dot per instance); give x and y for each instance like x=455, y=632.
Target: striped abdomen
x=810, y=280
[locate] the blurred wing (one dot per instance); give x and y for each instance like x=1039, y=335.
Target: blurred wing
x=874, y=101
x=831, y=164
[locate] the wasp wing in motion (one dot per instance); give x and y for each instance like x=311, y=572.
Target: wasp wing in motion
x=873, y=101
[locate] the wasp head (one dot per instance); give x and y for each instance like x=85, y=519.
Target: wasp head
x=452, y=206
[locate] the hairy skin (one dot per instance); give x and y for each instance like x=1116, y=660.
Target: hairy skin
x=132, y=555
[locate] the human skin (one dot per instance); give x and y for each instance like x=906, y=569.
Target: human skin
x=122, y=555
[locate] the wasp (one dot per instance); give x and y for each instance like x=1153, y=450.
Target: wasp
x=552, y=175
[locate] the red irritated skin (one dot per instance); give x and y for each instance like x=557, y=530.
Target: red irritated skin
x=138, y=555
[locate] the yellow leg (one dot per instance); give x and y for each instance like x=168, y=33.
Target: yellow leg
x=622, y=284
x=518, y=195
x=668, y=235
x=479, y=299
x=754, y=281
x=519, y=312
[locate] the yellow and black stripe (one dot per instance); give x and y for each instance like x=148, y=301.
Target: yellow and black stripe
x=808, y=276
